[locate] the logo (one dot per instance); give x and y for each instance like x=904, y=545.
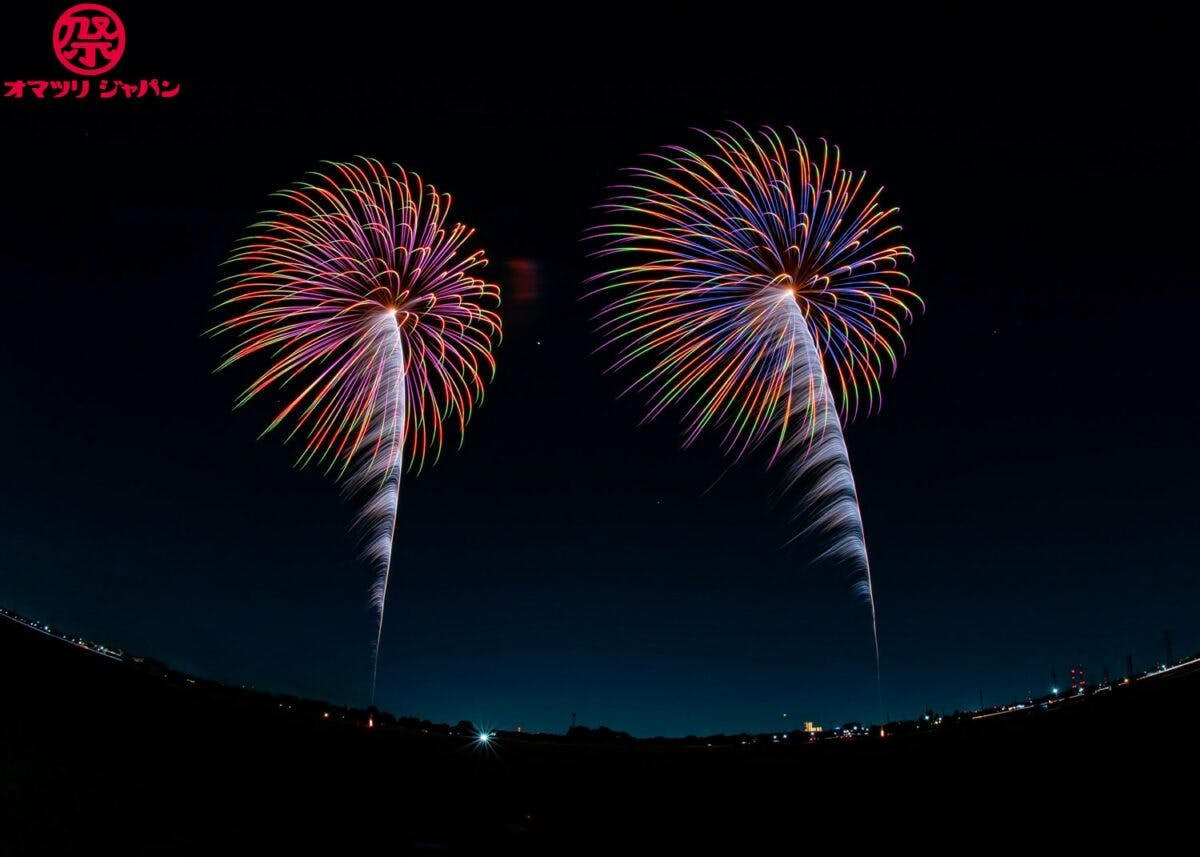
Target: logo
x=89, y=39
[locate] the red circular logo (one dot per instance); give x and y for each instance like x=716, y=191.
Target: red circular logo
x=89, y=38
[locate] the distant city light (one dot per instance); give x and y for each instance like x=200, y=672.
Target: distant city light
x=483, y=737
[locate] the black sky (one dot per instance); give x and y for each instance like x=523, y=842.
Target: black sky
x=1028, y=489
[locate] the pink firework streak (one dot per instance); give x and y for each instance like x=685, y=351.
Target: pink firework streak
x=366, y=308
x=758, y=289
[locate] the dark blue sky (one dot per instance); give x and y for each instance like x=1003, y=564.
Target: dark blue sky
x=1027, y=489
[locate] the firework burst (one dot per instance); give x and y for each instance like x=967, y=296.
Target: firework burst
x=366, y=307
x=758, y=289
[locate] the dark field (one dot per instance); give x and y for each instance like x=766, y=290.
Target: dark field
x=96, y=754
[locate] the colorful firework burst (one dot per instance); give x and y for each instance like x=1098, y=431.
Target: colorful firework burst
x=758, y=288
x=375, y=329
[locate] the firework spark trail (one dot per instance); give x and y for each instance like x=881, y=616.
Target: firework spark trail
x=364, y=303
x=379, y=472
x=755, y=285
x=819, y=459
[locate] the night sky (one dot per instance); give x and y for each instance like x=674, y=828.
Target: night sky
x=1027, y=490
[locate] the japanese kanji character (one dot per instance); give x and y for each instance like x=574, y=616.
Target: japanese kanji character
x=89, y=39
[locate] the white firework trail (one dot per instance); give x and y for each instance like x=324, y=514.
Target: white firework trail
x=379, y=471
x=819, y=464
